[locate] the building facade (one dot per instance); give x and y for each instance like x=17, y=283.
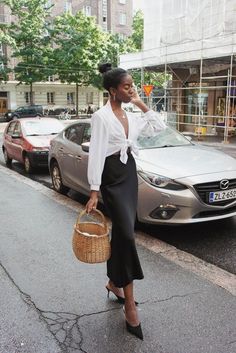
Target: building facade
x=194, y=43
x=112, y=15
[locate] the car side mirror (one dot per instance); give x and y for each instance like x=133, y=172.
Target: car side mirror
x=85, y=146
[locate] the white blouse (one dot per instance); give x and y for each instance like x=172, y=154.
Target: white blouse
x=108, y=137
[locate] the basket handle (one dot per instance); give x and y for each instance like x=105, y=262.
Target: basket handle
x=95, y=210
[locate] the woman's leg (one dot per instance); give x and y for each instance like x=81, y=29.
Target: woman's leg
x=130, y=307
x=116, y=290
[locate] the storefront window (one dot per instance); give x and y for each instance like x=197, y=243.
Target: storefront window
x=196, y=105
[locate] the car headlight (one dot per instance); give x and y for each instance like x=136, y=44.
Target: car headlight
x=161, y=181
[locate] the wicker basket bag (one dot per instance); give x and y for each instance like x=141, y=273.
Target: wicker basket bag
x=90, y=240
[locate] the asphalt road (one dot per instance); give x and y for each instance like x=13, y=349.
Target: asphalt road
x=214, y=242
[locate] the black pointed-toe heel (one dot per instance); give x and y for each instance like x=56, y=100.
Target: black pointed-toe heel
x=120, y=299
x=135, y=330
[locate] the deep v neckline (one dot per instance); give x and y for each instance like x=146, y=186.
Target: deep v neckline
x=126, y=135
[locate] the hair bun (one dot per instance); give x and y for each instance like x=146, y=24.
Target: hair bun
x=103, y=68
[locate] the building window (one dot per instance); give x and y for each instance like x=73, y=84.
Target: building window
x=89, y=98
x=70, y=98
x=27, y=97
x=122, y=19
x=104, y=15
x=87, y=10
x=122, y=36
x=68, y=6
x=105, y=97
x=51, y=78
x=122, y=2
x=50, y=97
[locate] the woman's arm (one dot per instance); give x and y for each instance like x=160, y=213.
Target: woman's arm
x=97, y=156
x=92, y=202
x=151, y=123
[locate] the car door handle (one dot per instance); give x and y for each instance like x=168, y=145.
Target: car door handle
x=61, y=149
x=78, y=158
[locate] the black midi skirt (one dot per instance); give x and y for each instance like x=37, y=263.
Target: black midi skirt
x=119, y=190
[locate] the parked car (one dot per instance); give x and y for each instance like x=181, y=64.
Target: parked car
x=27, y=141
x=179, y=182
x=24, y=112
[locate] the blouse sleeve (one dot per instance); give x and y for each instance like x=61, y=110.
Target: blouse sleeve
x=97, y=151
x=151, y=124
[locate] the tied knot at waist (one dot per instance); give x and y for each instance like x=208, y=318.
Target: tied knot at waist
x=126, y=149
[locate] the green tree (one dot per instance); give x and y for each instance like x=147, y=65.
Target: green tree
x=80, y=45
x=5, y=40
x=138, y=31
x=31, y=41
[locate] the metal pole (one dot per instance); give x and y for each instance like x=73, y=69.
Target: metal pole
x=227, y=108
x=200, y=106
x=165, y=103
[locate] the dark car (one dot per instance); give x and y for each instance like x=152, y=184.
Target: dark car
x=27, y=141
x=25, y=112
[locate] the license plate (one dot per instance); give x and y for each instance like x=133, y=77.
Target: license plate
x=222, y=195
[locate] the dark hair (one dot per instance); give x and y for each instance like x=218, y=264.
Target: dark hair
x=111, y=77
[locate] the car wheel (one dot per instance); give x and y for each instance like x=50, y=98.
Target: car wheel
x=28, y=165
x=6, y=157
x=57, y=180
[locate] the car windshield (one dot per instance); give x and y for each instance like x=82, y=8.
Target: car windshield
x=42, y=127
x=166, y=138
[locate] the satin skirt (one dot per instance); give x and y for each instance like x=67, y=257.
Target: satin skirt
x=119, y=190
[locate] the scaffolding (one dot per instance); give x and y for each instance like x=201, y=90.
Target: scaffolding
x=200, y=104
x=194, y=43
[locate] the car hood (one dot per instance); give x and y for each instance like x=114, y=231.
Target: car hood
x=40, y=141
x=184, y=161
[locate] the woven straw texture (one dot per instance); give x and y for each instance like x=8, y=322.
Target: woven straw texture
x=90, y=240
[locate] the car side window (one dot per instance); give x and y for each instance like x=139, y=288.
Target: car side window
x=87, y=133
x=30, y=111
x=11, y=128
x=17, y=129
x=74, y=133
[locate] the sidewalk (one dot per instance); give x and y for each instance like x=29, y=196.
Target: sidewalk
x=63, y=302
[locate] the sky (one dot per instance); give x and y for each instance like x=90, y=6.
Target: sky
x=137, y=4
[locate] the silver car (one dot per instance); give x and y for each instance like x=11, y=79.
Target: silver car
x=179, y=182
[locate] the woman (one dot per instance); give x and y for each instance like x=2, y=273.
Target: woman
x=112, y=169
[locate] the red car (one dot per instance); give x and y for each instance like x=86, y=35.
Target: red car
x=27, y=141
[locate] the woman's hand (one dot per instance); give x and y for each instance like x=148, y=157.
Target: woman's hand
x=136, y=100
x=92, y=202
